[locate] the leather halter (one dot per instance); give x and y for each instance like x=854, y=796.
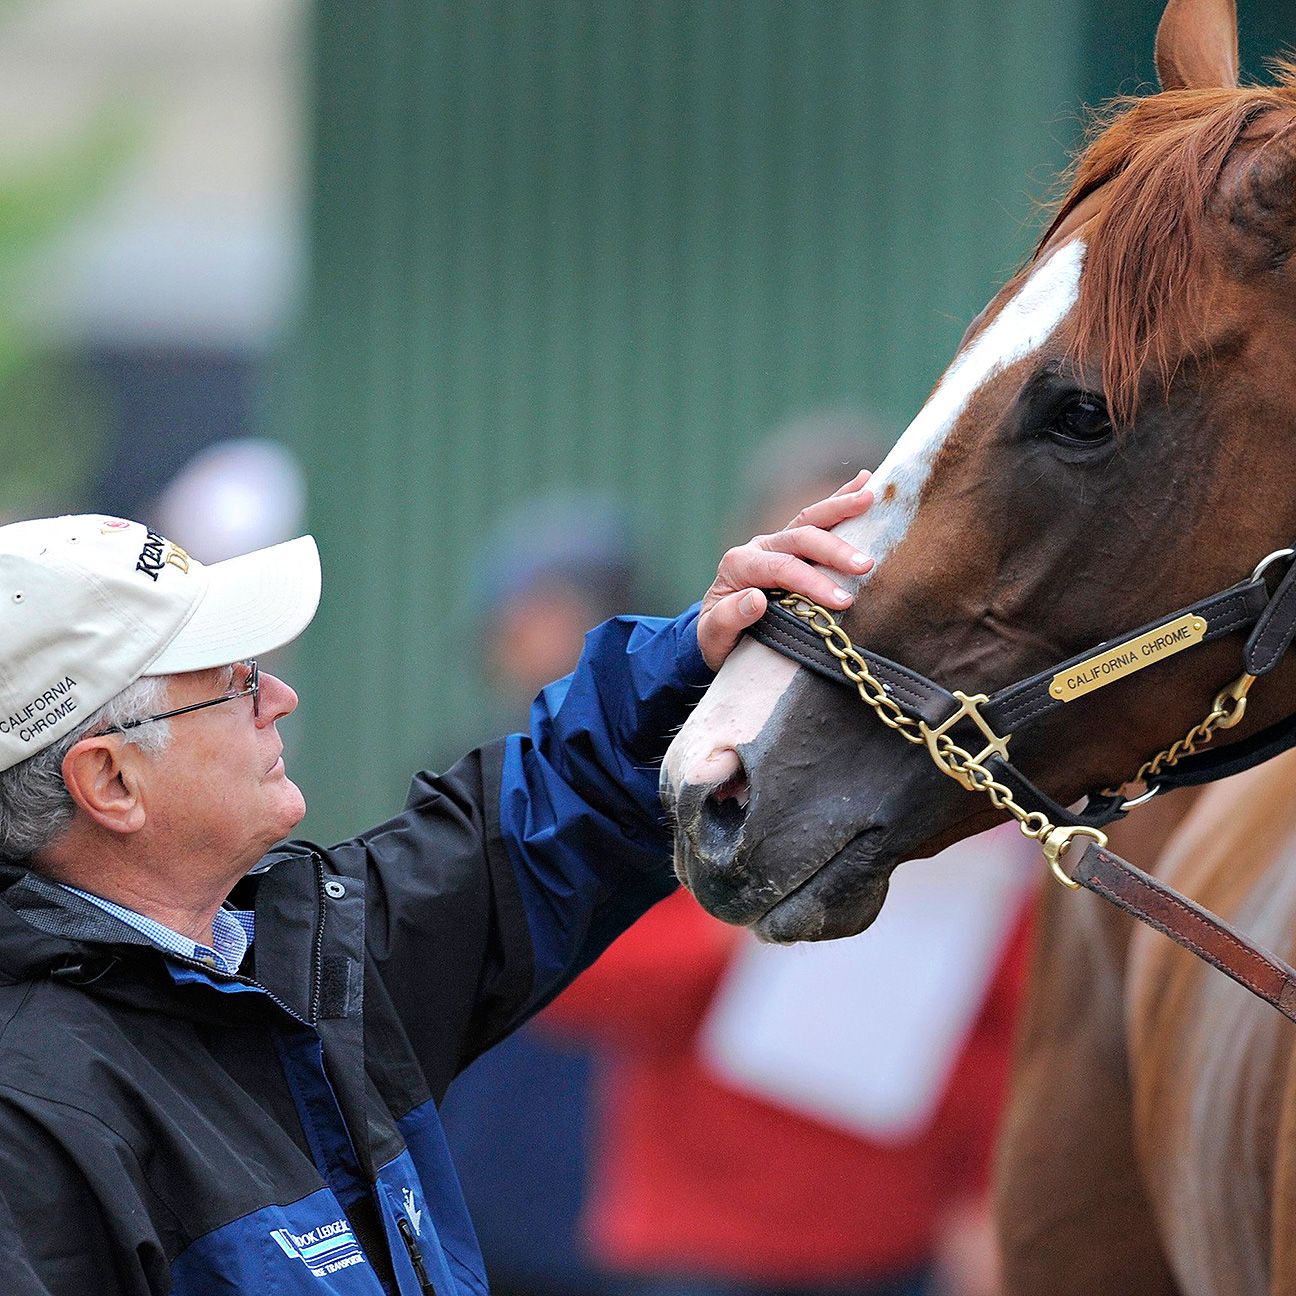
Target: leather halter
x=1271, y=621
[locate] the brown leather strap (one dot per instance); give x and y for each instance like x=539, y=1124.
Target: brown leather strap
x=789, y=634
x=1275, y=629
x=1232, y=610
x=1188, y=924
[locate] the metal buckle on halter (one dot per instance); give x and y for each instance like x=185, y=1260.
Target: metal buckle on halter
x=1142, y=799
x=1236, y=693
x=1269, y=559
x=969, y=706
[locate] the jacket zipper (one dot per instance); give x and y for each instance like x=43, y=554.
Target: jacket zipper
x=415, y=1255
x=242, y=980
x=317, y=948
x=317, y=970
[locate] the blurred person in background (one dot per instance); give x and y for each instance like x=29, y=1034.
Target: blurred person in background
x=517, y=1121
x=550, y=569
x=230, y=497
x=703, y=1188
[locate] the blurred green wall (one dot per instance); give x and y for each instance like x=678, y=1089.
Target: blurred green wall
x=611, y=243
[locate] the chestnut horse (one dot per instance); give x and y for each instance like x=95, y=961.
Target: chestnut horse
x=1111, y=442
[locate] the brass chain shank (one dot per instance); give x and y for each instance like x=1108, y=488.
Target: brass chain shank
x=970, y=771
x=951, y=759
x=1227, y=710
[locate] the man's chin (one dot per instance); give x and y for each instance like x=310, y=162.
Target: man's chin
x=292, y=805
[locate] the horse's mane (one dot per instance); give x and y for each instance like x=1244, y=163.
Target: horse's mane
x=1160, y=158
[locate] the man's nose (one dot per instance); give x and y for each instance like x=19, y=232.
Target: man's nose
x=276, y=699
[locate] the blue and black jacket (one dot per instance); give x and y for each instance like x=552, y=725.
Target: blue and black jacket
x=168, y=1128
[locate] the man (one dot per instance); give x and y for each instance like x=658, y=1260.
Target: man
x=219, y=1068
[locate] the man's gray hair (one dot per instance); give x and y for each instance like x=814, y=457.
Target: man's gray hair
x=35, y=805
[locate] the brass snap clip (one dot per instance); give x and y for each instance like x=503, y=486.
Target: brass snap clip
x=1056, y=844
x=1232, y=701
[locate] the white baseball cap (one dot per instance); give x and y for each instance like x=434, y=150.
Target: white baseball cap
x=89, y=604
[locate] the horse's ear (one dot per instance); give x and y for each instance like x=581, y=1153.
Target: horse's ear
x=1197, y=45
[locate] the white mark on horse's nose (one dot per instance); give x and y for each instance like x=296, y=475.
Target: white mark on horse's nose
x=720, y=766
x=738, y=705
x=732, y=712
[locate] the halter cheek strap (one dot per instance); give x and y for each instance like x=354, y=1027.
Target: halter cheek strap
x=1266, y=646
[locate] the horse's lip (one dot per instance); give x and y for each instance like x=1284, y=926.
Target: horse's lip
x=748, y=905
x=781, y=923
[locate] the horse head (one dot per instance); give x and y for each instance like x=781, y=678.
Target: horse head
x=1112, y=441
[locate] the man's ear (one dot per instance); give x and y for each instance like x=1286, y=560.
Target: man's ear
x=1197, y=45
x=102, y=776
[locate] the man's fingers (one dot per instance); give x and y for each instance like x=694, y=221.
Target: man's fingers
x=721, y=626
x=754, y=568
x=822, y=547
x=784, y=561
x=835, y=509
x=856, y=483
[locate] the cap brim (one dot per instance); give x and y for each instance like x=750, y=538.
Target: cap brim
x=253, y=604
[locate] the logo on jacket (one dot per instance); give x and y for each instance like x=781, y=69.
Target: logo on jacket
x=323, y=1250
x=415, y=1215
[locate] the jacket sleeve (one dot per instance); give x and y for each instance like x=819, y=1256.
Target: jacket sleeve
x=503, y=878
x=60, y=1235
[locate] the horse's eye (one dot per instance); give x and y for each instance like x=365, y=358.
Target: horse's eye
x=1080, y=420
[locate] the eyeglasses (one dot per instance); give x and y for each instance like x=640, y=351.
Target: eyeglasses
x=252, y=689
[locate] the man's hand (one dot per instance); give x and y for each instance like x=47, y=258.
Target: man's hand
x=782, y=561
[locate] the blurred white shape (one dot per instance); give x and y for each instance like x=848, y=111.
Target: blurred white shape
x=233, y=497
x=864, y=1033
x=197, y=238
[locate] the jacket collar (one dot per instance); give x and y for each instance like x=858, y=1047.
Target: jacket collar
x=48, y=932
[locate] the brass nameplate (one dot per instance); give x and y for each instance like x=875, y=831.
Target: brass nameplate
x=1125, y=658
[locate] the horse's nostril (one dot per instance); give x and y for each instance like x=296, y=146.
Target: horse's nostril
x=735, y=789
x=723, y=814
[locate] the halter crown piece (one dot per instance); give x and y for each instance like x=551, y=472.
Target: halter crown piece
x=962, y=735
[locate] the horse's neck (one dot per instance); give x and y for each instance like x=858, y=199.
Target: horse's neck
x=1234, y=853
x=1209, y=1062
x=1233, y=835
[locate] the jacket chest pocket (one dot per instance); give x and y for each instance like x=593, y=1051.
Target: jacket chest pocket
x=306, y=1246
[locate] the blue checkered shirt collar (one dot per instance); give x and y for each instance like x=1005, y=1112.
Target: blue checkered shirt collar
x=232, y=933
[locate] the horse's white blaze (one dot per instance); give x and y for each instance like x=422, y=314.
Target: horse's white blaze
x=740, y=701
x=1021, y=327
